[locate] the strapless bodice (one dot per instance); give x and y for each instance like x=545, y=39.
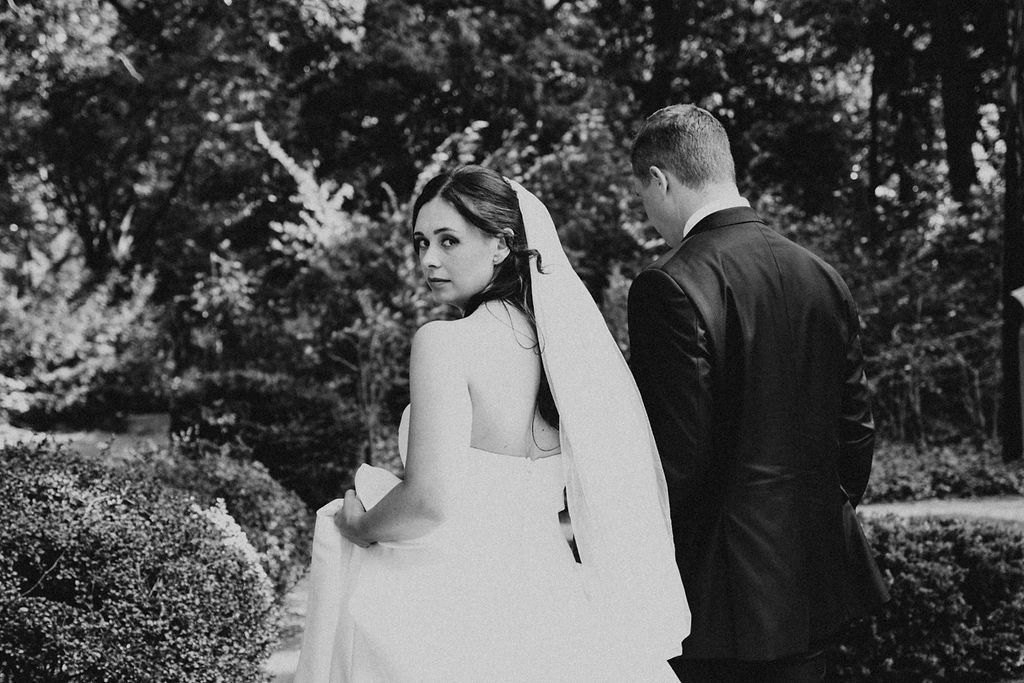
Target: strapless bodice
x=492, y=498
x=503, y=484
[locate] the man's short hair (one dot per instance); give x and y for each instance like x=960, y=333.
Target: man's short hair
x=686, y=140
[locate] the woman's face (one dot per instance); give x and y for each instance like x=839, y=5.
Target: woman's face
x=457, y=258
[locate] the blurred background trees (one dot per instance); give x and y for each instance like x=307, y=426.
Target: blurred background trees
x=203, y=204
x=1013, y=241
x=204, y=211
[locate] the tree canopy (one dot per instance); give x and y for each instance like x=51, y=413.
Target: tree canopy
x=877, y=133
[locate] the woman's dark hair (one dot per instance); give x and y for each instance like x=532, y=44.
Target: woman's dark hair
x=488, y=202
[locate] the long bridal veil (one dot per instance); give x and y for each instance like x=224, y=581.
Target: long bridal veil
x=618, y=499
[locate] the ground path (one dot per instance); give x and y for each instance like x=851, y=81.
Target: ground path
x=1004, y=508
x=282, y=663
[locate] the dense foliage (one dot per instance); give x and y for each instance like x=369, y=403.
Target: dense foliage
x=75, y=358
x=105, y=576
x=293, y=428
x=203, y=188
x=275, y=520
x=902, y=472
x=957, y=604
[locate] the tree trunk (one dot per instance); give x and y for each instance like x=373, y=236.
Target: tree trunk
x=959, y=110
x=667, y=31
x=873, y=166
x=906, y=151
x=1010, y=426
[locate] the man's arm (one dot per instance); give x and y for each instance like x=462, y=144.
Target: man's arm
x=856, y=426
x=672, y=360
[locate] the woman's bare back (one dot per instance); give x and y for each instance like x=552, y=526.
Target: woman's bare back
x=503, y=370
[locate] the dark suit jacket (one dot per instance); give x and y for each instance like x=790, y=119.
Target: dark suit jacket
x=746, y=350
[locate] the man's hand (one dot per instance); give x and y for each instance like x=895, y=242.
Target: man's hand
x=349, y=519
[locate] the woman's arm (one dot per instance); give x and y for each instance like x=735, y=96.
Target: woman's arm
x=440, y=423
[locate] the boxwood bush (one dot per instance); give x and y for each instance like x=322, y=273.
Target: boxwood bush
x=903, y=472
x=108, y=577
x=296, y=428
x=957, y=607
x=275, y=520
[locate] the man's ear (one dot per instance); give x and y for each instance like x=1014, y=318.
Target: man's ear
x=658, y=177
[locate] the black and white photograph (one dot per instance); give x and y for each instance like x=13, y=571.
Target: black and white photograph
x=521, y=341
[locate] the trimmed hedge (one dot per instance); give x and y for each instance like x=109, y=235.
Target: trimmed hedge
x=901, y=472
x=957, y=607
x=275, y=520
x=295, y=428
x=108, y=577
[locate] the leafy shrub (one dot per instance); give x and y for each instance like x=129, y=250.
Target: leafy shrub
x=957, y=607
x=274, y=519
x=107, y=577
x=295, y=428
x=89, y=396
x=80, y=359
x=935, y=386
x=903, y=472
x=931, y=317
x=343, y=295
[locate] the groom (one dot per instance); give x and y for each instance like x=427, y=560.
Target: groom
x=746, y=350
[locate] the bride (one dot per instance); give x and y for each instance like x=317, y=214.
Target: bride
x=461, y=571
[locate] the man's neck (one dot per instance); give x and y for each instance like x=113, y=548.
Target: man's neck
x=711, y=199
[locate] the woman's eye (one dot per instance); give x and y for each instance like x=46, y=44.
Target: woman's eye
x=419, y=245
x=449, y=242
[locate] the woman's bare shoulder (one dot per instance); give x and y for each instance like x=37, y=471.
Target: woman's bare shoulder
x=443, y=336
x=488, y=336
x=453, y=344
x=438, y=343
x=502, y=322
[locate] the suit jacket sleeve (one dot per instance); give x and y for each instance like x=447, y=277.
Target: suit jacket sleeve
x=671, y=359
x=856, y=425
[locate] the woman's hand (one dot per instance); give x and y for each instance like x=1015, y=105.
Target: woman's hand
x=348, y=519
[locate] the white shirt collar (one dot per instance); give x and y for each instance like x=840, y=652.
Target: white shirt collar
x=711, y=207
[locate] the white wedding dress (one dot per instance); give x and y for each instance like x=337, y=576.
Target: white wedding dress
x=494, y=593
